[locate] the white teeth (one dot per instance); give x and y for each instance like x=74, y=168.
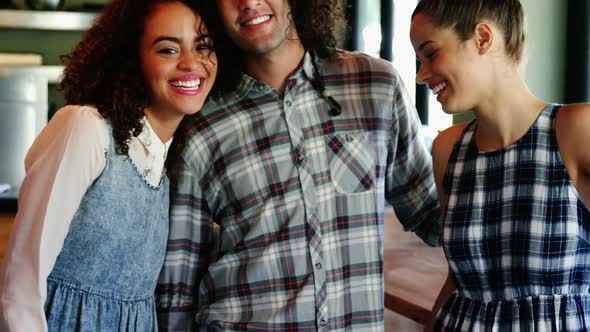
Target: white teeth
x=194, y=84
x=257, y=20
x=439, y=87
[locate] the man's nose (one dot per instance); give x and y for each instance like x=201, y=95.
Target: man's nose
x=248, y=4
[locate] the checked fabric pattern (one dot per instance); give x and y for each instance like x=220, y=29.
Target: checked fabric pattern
x=277, y=216
x=516, y=234
x=351, y=162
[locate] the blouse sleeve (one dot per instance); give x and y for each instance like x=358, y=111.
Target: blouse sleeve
x=64, y=160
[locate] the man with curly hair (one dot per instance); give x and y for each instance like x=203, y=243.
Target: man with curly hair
x=277, y=216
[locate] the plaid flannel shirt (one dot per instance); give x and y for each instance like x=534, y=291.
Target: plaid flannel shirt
x=277, y=215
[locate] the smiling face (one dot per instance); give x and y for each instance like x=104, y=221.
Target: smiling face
x=178, y=62
x=449, y=67
x=258, y=26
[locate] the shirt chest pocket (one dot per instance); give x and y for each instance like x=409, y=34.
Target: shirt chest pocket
x=351, y=161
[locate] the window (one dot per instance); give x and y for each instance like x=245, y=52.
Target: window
x=404, y=58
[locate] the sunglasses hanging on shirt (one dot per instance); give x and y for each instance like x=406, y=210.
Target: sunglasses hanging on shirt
x=335, y=108
x=318, y=84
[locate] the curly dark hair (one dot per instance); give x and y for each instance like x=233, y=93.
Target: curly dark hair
x=104, y=69
x=316, y=22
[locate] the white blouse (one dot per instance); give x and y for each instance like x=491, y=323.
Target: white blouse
x=65, y=159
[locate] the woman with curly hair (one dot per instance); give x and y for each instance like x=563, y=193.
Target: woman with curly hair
x=91, y=229
x=277, y=216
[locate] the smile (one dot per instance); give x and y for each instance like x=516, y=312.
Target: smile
x=257, y=20
x=439, y=87
x=187, y=85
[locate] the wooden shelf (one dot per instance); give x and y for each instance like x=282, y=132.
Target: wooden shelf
x=413, y=271
x=52, y=73
x=45, y=20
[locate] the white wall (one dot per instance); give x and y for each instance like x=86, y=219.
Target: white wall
x=545, y=55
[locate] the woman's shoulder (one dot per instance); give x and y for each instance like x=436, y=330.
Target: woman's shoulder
x=80, y=123
x=74, y=131
x=79, y=119
x=444, y=142
x=573, y=125
x=573, y=122
x=74, y=113
x=574, y=115
x=576, y=107
x=450, y=136
x=572, y=130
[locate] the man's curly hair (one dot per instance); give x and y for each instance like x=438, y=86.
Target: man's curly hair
x=104, y=69
x=316, y=22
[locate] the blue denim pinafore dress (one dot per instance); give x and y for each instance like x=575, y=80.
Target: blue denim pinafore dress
x=105, y=275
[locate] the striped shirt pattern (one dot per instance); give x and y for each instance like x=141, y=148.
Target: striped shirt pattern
x=516, y=234
x=277, y=216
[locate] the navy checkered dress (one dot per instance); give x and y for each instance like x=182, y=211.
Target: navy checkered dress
x=516, y=235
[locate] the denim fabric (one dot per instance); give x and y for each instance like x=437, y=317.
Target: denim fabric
x=104, y=277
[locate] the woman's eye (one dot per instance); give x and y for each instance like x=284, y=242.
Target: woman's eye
x=429, y=54
x=167, y=51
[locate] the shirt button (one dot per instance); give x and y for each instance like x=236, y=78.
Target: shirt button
x=288, y=103
x=301, y=159
x=318, y=266
x=259, y=86
x=323, y=322
x=148, y=142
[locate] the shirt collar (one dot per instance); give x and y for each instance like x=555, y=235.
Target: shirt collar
x=247, y=82
x=307, y=67
x=150, y=140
